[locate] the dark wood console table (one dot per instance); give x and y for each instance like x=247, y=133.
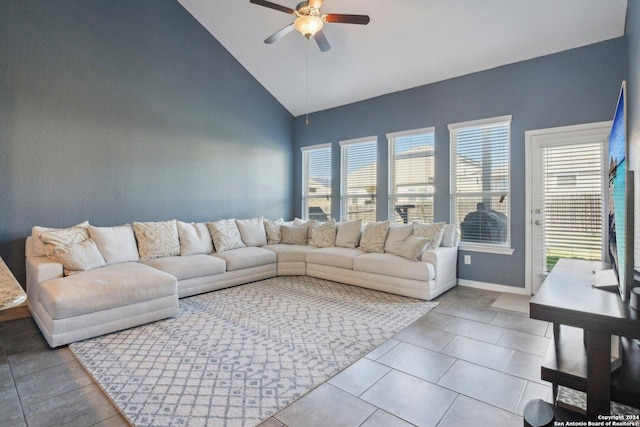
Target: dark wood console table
x=567, y=297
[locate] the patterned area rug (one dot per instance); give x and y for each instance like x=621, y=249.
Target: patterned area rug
x=236, y=356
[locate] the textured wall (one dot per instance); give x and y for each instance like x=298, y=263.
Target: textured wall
x=119, y=111
x=572, y=87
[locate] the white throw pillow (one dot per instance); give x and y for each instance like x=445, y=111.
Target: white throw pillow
x=194, y=238
x=308, y=224
x=374, y=236
x=225, y=235
x=398, y=233
x=157, y=239
x=38, y=247
x=433, y=232
x=272, y=228
x=252, y=231
x=413, y=247
x=116, y=244
x=295, y=234
x=81, y=256
x=323, y=235
x=449, y=236
x=348, y=235
x=63, y=236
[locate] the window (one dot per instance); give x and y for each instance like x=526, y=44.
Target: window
x=358, y=179
x=480, y=180
x=316, y=182
x=411, y=176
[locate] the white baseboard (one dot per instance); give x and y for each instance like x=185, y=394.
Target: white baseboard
x=492, y=287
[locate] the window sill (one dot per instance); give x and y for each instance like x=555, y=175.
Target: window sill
x=489, y=249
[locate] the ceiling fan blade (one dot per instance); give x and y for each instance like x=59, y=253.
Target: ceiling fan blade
x=273, y=6
x=279, y=34
x=346, y=19
x=322, y=41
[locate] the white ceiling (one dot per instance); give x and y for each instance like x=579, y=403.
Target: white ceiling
x=408, y=43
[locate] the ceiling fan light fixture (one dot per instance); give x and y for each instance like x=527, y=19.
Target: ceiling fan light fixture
x=308, y=25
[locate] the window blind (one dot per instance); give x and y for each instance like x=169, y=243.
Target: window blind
x=316, y=182
x=359, y=179
x=480, y=180
x=411, y=176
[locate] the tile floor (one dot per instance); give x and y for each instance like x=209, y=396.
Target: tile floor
x=464, y=363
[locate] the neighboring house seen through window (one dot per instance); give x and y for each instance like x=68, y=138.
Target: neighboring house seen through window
x=358, y=189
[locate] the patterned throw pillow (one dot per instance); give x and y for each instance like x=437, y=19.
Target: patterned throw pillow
x=63, y=236
x=272, y=228
x=433, y=232
x=413, y=247
x=308, y=224
x=157, y=239
x=38, y=247
x=252, y=231
x=194, y=238
x=396, y=237
x=348, y=235
x=294, y=234
x=323, y=235
x=374, y=236
x=116, y=244
x=75, y=257
x=225, y=235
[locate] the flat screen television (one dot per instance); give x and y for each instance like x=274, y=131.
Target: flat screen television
x=620, y=200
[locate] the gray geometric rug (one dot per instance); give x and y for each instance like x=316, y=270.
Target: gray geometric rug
x=235, y=357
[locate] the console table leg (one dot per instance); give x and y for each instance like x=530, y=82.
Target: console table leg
x=598, y=373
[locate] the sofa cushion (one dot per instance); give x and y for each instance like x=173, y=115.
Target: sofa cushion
x=413, y=247
x=323, y=235
x=394, y=265
x=83, y=256
x=65, y=236
x=237, y=259
x=337, y=257
x=194, y=238
x=449, y=236
x=38, y=247
x=433, y=232
x=225, y=235
x=105, y=288
x=252, y=231
x=291, y=253
x=272, y=228
x=396, y=237
x=190, y=266
x=348, y=235
x=117, y=244
x=157, y=239
x=374, y=236
x=295, y=234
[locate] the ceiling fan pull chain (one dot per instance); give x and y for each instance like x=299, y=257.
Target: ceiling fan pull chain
x=307, y=108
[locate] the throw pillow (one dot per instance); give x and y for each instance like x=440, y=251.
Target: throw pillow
x=294, y=234
x=374, y=236
x=432, y=232
x=323, y=235
x=81, y=256
x=194, y=238
x=449, y=236
x=116, y=244
x=225, y=235
x=38, y=247
x=157, y=239
x=348, y=235
x=396, y=237
x=272, y=228
x=413, y=247
x=308, y=224
x=252, y=231
x=64, y=236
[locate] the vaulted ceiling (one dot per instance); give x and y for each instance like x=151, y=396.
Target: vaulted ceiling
x=408, y=43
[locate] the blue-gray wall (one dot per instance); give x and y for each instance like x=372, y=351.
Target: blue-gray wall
x=632, y=35
x=119, y=111
x=571, y=87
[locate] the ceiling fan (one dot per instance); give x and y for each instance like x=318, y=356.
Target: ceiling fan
x=309, y=21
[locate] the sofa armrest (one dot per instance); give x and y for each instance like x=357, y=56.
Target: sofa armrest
x=445, y=261
x=39, y=270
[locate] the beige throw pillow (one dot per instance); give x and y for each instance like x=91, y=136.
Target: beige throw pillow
x=413, y=247
x=396, y=237
x=252, y=231
x=433, y=232
x=194, y=238
x=294, y=234
x=272, y=228
x=38, y=247
x=449, y=236
x=157, y=239
x=374, y=236
x=225, y=235
x=63, y=236
x=82, y=256
x=348, y=235
x=116, y=244
x=323, y=235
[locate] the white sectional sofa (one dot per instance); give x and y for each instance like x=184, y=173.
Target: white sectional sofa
x=86, y=281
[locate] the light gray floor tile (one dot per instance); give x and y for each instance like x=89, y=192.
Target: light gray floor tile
x=357, y=378
x=414, y=400
x=532, y=391
x=326, y=406
x=484, y=384
x=382, y=349
x=423, y=336
x=524, y=342
x=120, y=420
x=28, y=362
x=470, y=412
x=270, y=422
x=520, y=323
x=417, y=361
x=435, y=320
x=524, y=365
x=381, y=418
x=10, y=408
x=478, y=352
x=476, y=330
x=466, y=312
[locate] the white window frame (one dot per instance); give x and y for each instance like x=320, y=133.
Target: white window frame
x=306, y=196
x=485, y=246
x=391, y=140
x=344, y=174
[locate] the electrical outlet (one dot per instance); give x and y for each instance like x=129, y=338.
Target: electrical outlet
x=467, y=259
